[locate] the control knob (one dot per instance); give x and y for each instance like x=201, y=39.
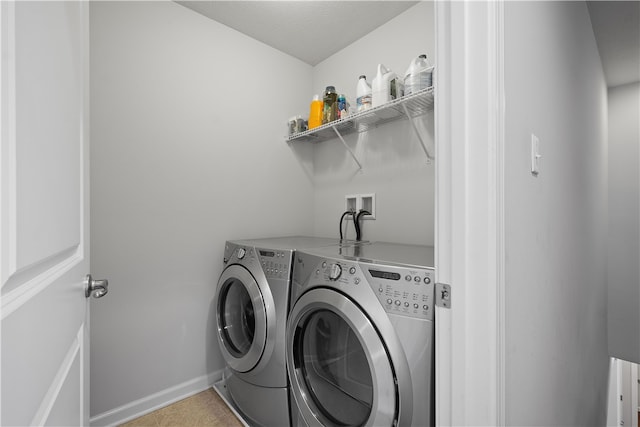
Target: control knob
x=241, y=253
x=335, y=272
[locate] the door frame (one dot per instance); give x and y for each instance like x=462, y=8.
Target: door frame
x=469, y=231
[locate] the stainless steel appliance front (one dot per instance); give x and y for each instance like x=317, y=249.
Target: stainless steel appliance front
x=251, y=305
x=360, y=337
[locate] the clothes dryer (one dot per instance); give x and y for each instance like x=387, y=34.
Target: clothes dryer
x=252, y=303
x=360, y=349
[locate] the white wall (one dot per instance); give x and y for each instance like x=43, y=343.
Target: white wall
x=394, y=164
x=624, y=227
x=556, y=339
x=187, y=134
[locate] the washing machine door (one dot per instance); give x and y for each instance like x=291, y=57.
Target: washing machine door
x=340, y=371
x=242, y=318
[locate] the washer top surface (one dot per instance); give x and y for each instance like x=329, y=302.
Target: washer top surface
x=289, y=242
x=382, y=253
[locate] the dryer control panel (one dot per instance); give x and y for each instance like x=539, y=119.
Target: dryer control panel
x=403, y=291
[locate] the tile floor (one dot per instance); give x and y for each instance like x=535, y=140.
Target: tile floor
x=205, y=409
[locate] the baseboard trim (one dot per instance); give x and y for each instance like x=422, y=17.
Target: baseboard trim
x=155, y=401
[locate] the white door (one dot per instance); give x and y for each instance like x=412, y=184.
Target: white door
x=44, y=201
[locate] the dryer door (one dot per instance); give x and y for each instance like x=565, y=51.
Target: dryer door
x=241, y=318
x=339, y=368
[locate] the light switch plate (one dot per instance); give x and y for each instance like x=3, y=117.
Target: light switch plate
x=535, y=155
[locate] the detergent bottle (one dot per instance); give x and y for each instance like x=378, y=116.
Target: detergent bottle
x=315, y=112
x=386, y=87
x=363, y=94
x=418, y=75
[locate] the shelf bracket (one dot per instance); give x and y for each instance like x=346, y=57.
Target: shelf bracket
x=355, y=159
x=415, y=130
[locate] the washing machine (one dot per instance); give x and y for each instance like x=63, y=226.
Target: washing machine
x=251, y=304
x=360, y=336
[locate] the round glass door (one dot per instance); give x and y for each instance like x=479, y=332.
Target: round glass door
x=335, y=369
x=341, y=373
x=241, y=318
x=237, y=317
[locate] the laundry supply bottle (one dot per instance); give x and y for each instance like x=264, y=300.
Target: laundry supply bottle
x=343, y=109
x=363, y=94
x=418, y=75
x=315, y=112
x=386, y=87
x=330, y=99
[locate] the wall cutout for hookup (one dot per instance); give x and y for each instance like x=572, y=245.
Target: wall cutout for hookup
x=358, y=202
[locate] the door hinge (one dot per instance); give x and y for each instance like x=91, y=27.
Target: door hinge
x=443, y=295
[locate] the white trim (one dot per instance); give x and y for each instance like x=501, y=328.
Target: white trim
x=85, y=135
x=4, y=55
x=442, y=118
x=498, y=123
x=42, y=414
x=633, y=399
x=613, y=393
x=84, y=247
x=158, y=400
x=8, y=180
x=470, y=212
x=502, y=251
x=83, y=336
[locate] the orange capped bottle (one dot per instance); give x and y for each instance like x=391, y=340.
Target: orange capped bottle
x=315, y=113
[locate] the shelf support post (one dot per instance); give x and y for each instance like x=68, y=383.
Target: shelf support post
x=415, y=130
x=355, y=159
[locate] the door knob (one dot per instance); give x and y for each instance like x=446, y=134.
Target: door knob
x=98, y=288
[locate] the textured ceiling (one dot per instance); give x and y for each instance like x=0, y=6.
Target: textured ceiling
x=314, y=30
x=308, y=30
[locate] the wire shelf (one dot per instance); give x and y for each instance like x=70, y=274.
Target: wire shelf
x=410, y=106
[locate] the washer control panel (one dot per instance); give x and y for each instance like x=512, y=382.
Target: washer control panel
x=275, y=263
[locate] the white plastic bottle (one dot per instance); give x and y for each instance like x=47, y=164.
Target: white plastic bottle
x=363, y=94
x=418, y=75
x=386, y=87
